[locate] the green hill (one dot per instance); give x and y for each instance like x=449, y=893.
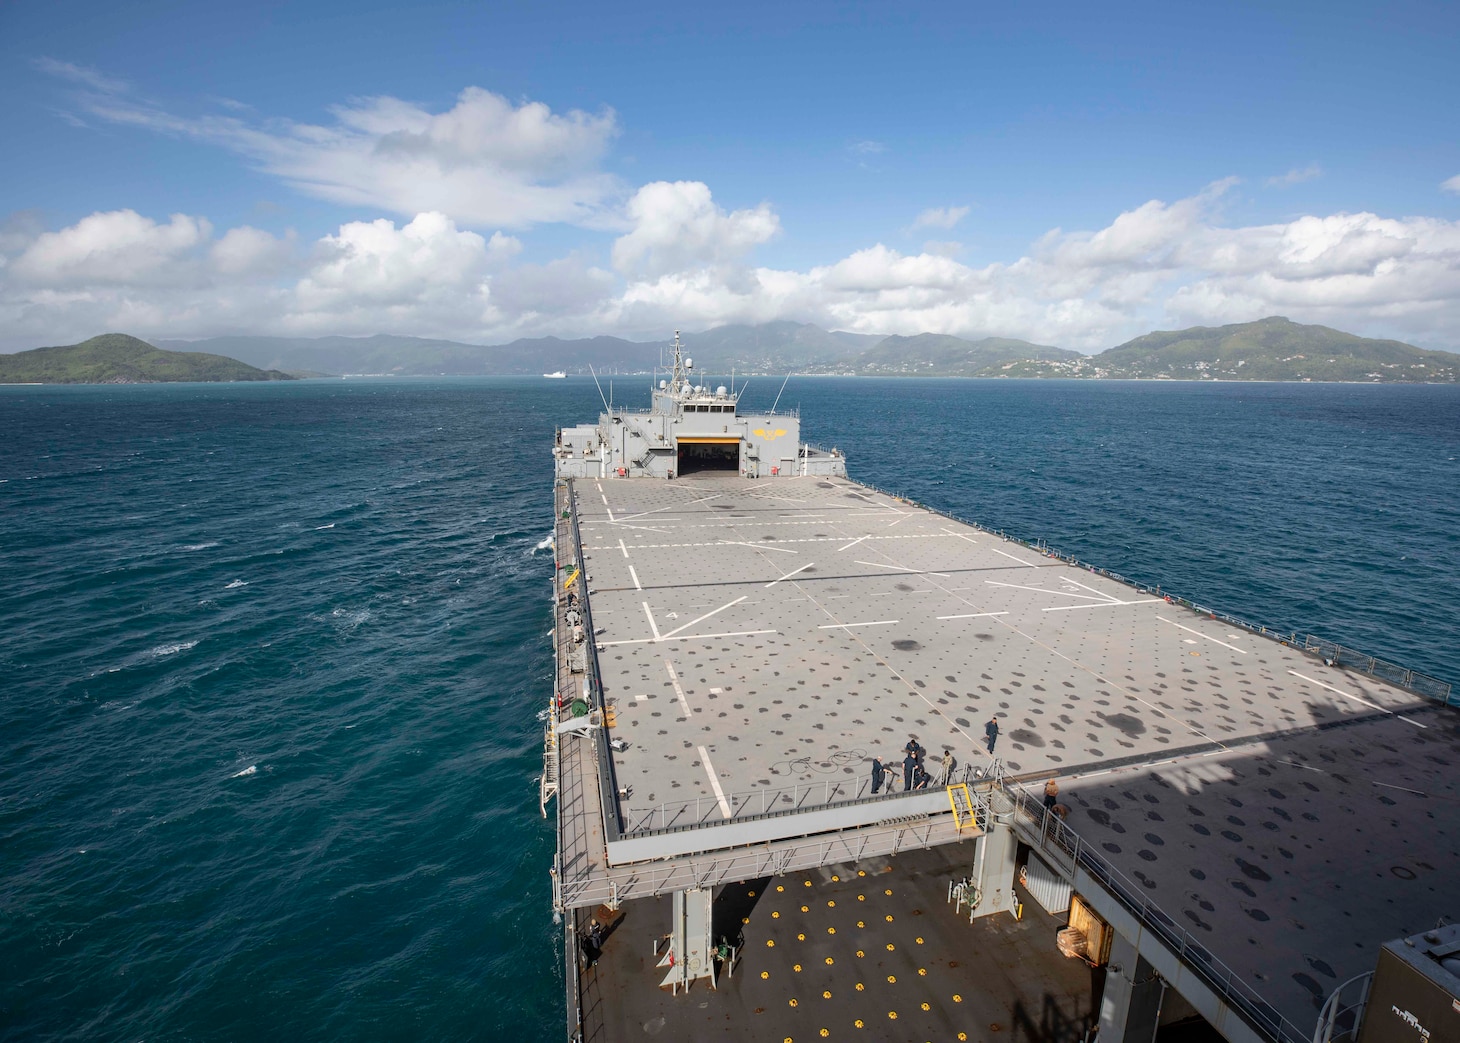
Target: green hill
x=1276, y=349
x=938, y=355
x=115, y=358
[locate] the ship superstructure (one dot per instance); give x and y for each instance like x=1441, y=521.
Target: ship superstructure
x=1239, y=820
x=691, y=428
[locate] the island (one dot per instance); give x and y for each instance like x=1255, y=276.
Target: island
x=116, y=358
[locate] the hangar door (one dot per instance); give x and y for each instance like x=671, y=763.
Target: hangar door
x=708, y=453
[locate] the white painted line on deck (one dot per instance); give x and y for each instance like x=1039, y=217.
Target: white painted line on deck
x=757, y=546
x=878, y=565
x=788, y=575
x=904, y=518
x=706, y=616
x=849, y=546
x=714, y=782
x=678, y=691
x=604, y=499
x=1340, y=691
x=975, y=615
x=623, y=548
x=683, y=637
x=1406, y=720
x=870, y=623
x=1403, y=789
x=1021, y=561
x=1103, y=604
x=654, y=627
x=635, y=577
x=1198, y=633
x=949, y=532
x=1100, y=599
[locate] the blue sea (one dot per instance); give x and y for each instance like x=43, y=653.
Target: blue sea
x=271, y=655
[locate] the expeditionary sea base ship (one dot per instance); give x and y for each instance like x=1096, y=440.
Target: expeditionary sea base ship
x=1104, y=811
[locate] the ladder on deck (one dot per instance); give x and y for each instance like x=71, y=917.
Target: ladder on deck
x=961, y=801
x=548, y=784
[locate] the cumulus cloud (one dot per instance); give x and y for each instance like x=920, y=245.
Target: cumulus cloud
x=484, y=161
x=940, y=217
x=677, y=226
x=1451, y=184
x=686, y=262
x=1296, y=176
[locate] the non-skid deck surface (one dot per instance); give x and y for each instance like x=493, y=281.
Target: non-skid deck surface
x=763, y=639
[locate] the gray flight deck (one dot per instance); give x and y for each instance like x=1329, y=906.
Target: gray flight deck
x=760, y=641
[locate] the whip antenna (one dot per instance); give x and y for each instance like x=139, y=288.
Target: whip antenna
x=600, y=389
x=781, y=392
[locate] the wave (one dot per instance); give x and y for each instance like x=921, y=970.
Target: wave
x=162, y=651
x=200, y=546
x=331, y=525
x=236, y=584
x=252, y=769
x=546, y=544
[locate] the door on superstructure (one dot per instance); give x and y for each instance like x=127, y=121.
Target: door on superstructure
x=708, y=453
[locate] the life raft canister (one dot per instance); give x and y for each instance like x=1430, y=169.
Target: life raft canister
x=775, y=470
x=623, y=471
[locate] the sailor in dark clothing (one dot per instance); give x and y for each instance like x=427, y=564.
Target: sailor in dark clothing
x=991, y=733
x=920, y=778
x=878, y=773
x=908, y=764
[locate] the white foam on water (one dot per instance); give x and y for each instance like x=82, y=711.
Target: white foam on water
x=331, y=525
x=345, y=620
x=546, y=544
x=252, y=769
x=236, y=584
x=200, y=546
x=173, y=649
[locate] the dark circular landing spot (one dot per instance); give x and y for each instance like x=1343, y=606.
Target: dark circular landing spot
x=984, y=637
x=902, y=586
x=1130, y=726
x=906, y=645
x=1252, y=872
x=1101, y=817
x=1307, y=982
x=1319, y=966
x=1403, y=872
x=1026, y=737
x=1258, y=915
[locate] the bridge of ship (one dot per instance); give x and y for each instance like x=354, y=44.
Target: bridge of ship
x=757, y=643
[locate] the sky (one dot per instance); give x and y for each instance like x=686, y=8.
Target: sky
x=1072, y=174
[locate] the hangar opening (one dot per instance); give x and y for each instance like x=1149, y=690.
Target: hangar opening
x=708, y=454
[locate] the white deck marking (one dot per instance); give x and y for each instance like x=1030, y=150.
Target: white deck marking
x=879, y=565
x=1102, y=599
x=849, y=546
x=652, y=625
x=1198, y=633
x=678, y=691
x=623, y=548
x=1102, y=604
x=714, y=782
x=706, y=616
x=635, y=577
x=960, y=535
x=1340, y=691
x=684, y=637
x=1021, y=561
x=788, y=575
x=975, y=615
x=870, y=623
x=904, y=518
x=1406, y=720
x=603, y=497
x=757, y=546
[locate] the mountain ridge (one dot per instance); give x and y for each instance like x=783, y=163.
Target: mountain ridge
x=1273, y=348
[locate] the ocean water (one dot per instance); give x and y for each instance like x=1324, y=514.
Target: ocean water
x=271, y=655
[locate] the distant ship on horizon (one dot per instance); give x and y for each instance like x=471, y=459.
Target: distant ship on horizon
x=559, y=375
